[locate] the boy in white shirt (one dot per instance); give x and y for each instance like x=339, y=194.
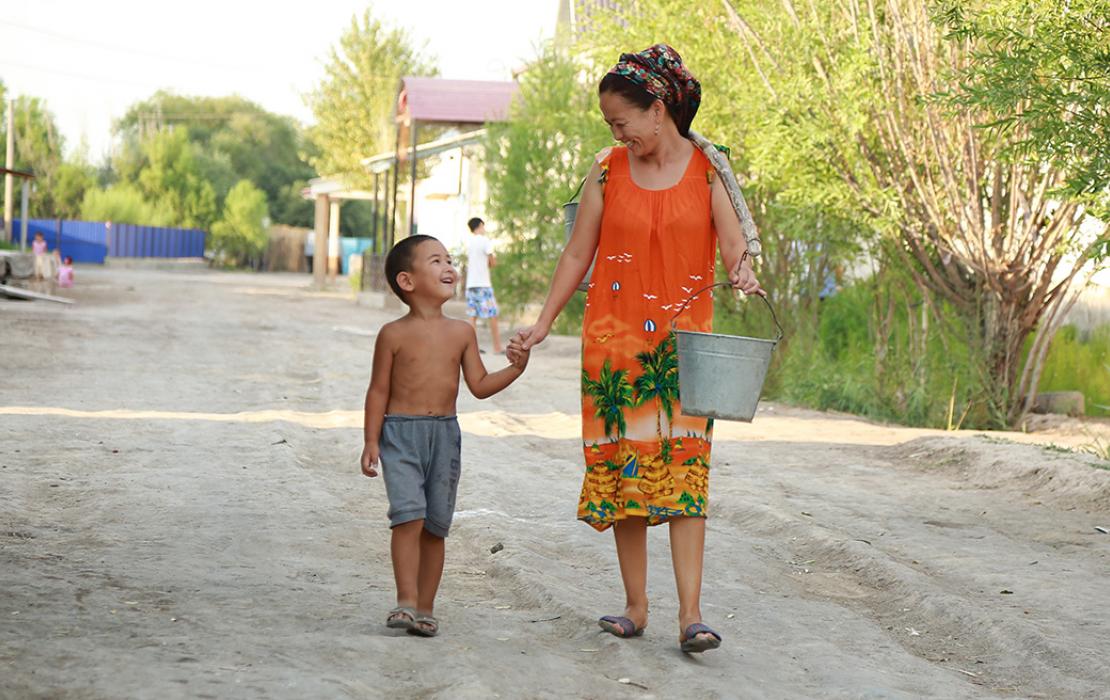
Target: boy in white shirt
x=480, y=301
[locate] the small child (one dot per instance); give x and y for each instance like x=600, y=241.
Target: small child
x=65, y=273
x=410, y=423
x=42, y=260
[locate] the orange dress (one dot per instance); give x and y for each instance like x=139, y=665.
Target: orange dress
x=657, y=247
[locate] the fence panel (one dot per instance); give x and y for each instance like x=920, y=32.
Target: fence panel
x=92, y=241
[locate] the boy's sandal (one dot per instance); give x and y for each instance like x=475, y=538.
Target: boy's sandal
x=400, y=618
x=424, y=626
x=620, y=626
x=699, y=637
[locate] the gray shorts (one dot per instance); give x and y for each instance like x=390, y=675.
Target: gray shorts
x=421, y=461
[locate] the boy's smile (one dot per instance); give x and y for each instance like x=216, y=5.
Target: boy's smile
x=433, y=269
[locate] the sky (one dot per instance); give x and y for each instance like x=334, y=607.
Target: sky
x=90, y=61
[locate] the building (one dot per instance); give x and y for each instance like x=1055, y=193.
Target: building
x=432, y=186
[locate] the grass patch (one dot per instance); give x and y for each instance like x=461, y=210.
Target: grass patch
x=1080, y=361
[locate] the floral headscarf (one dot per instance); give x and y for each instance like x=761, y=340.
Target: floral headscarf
x=660, y=71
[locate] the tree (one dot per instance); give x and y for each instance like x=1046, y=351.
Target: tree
x=354, y=104
x=121, y=203
x=240, y=234
x=232, y=139
x=851, y=91
x=72, y=180
x=1041, y=70
x=171, y=180
x=38, y=149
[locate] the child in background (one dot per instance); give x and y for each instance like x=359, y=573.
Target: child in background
x=42, y=260
x=65, y=273
x=410, y=423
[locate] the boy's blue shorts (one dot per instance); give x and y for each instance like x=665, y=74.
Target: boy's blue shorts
x=421, y=462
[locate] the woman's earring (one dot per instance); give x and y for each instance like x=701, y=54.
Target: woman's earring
x=656, y=129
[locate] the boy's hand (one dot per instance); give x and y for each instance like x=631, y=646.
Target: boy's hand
x=369, y=460
x=518, y=356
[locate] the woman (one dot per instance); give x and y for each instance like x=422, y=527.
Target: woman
x=652, y=210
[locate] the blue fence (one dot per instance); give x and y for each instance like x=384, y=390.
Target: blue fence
x=92, y=241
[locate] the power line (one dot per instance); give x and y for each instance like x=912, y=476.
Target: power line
x=127, y=49
x=104, y=79
x=82, y=76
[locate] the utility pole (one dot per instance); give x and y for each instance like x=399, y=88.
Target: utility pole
x=9, y=163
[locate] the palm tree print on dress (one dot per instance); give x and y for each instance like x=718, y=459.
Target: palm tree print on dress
x=611, y=394
x=659, y=383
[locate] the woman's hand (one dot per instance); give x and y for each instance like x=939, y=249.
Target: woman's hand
x=743, y=278
x=527, y=338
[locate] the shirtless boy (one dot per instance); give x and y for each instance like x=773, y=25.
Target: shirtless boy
x=410, y=425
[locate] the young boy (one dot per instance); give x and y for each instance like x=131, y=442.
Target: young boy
x=410, y=423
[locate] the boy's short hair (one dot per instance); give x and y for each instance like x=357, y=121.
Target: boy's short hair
x=400, y=259
x=474, y=223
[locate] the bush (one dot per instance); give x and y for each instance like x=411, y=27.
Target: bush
x=120, y=203
x=1081, y=362
x=239, y=237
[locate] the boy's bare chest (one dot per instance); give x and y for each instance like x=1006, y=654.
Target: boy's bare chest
x=428, y=359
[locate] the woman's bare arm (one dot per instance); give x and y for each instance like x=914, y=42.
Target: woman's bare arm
x=573, y=263
x=730, y=239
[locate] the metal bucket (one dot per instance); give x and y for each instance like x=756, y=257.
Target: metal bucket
x=570, y=211
x=721, y=376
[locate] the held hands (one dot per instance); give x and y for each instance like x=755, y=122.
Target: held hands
x=369, y=460
x=518, y=357
x=527, y=338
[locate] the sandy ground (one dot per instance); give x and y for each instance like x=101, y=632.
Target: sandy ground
x=181, y=515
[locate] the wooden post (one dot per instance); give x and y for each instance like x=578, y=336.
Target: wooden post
x=320, y=242
x=9, y=163
x=396, y=181
x=412, y=187
x=386, y=212
x=26, y=191
x=334, y=249
x=374, y=212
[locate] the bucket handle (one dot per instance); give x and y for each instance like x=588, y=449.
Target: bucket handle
x=575, y=195
x=774, y=316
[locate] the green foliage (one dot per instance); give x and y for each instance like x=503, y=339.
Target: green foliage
x=232, y=139
x=171, y=179
x=354, y=105
x=868, y=355
x=239, y=237
x=534, y=163
x=1081, y=362
x=290, y=208
x=121, y=203
x=1041, y=68
x=38, y=149
x=71, y=181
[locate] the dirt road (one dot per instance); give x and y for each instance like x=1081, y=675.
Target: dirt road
x=181, y=515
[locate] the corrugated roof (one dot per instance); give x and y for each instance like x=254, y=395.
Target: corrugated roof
x=455, y=101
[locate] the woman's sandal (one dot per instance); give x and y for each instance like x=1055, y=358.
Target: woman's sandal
x=699, y=637
x=620, y=626
x=424, y=626
x=400, y=618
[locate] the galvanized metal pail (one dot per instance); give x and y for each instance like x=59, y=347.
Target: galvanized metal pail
x=570, y=211
x=721, y=376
